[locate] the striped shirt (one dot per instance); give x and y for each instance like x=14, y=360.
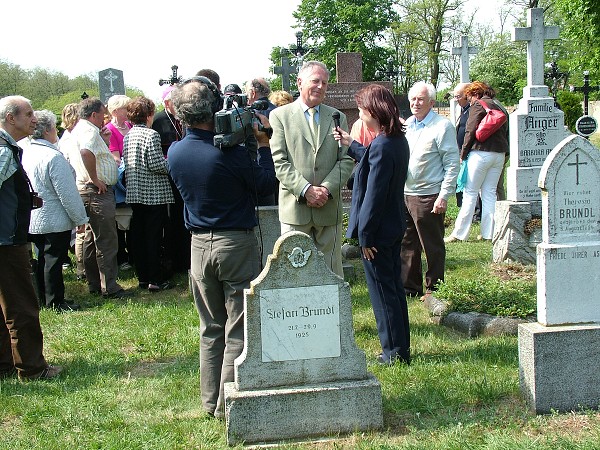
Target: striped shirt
x=86, y=135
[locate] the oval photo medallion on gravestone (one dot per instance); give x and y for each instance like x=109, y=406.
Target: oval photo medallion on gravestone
x=586, y=125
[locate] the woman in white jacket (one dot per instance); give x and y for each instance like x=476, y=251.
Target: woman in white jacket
x=50, y=227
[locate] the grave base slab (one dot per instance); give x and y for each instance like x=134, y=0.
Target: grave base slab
x=558, y=367
x=303, y=412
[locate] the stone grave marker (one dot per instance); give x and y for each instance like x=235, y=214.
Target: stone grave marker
x=569, y=255
x=285, y=70
x=340, y=95
x=536, y=127
x=559, y=356
x=110, y=82
x=463, y=51
x=300, y=375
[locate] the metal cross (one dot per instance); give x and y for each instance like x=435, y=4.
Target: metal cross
x=586, y=89
x=577, y=164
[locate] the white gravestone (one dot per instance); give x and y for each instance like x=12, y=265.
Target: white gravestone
x=569, y=255
x=559, y=356
x=536, y=127
x=300, y=374
x=463, y=51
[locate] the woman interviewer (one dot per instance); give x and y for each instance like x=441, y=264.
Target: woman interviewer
x=377, y=217
x=485, y=161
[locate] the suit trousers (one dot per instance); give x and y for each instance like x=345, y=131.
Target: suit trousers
x=21, y=339
x=327, y=239
x=52, y=250
x=222, y=266
x=424, y=232
x=147, y=224
x=388, y=300
x=101, y=242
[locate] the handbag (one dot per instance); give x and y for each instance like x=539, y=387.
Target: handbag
x=461, y=181
x=490, y=123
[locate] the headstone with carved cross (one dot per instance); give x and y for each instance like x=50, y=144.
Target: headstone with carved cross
x=285, y=70
x=558, y=355
x=536, y=127
x=110, y=82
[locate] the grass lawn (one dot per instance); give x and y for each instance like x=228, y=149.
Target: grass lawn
x=132, y=381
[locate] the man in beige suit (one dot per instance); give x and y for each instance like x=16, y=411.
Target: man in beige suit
x=310, y=166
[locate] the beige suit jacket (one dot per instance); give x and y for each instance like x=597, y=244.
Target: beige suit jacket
x=298, y=163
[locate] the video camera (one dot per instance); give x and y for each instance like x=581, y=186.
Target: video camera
x=233, y=124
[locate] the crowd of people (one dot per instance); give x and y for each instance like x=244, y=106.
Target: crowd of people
x=165, y=169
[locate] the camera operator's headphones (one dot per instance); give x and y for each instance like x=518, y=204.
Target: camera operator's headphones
x=217, y=104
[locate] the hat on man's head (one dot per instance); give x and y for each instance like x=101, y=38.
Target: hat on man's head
x=232, y=89
x=167, y=90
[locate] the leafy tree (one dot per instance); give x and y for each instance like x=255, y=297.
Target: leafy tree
x=570, y=104
x=503, y=66
x=347, y=26
x=434, y=20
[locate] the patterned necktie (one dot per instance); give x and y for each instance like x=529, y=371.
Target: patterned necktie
x=314, y=126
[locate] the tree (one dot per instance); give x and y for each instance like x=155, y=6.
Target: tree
x=433, y=22
x=347, y=26
x=503, y=66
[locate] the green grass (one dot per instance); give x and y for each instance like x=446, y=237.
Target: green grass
x=132, y=381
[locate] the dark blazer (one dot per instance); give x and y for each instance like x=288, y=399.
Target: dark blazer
x=377, y=217
x=497, y=142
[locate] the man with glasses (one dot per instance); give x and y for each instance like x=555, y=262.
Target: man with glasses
x=461, y=123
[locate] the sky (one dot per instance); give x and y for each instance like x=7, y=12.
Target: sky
x=145, y=38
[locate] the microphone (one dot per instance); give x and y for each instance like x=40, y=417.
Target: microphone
x=336, y=123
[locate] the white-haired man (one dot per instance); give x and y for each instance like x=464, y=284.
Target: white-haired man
x=432, y=172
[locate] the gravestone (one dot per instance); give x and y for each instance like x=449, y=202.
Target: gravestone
x=340, y=95
x=285, y=70
x=300, y=375
x=110, y=82
x=536, y=127
x=559, y=356
x=463, y=51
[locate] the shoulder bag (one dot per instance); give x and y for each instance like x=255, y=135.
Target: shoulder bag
x=490, y=123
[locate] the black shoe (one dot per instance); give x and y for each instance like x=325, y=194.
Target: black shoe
x=65, y=307
x=121, y=293
x=143, y=284
x=159, y=287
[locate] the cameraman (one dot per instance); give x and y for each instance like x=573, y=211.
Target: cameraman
x=218, y=188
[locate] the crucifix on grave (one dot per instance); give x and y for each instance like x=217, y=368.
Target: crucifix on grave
x=535, y=34
x=285, y=70
x=464, y=51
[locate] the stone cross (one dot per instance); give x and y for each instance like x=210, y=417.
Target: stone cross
x=535, y=34
x=464, y=51
x=285, y=70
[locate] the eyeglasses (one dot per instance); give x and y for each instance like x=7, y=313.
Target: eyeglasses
x=458, y=97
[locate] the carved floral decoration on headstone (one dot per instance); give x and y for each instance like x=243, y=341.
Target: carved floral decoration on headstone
x=298, y=257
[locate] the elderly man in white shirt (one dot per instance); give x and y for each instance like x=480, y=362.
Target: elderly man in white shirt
x=432, y=171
